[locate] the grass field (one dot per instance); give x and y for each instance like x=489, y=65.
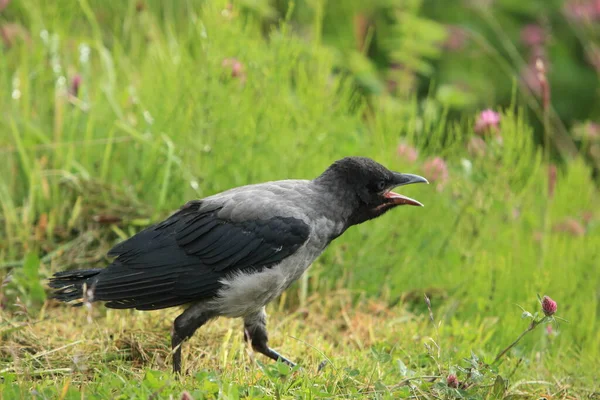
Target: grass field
x=113, y=115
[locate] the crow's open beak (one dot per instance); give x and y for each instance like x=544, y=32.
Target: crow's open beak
x=401, y=180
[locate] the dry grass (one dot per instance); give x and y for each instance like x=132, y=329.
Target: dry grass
x=366, y=346
x=80, y=338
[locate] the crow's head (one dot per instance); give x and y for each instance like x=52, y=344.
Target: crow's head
x=366, y=187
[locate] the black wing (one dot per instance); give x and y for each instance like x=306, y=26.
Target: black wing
x=183, y=258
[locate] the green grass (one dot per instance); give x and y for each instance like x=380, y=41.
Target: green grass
x=159, y=120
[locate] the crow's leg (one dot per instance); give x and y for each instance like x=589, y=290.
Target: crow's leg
x=184, y=327
x=255, y=330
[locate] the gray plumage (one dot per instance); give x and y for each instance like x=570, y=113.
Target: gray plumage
x=232, y=253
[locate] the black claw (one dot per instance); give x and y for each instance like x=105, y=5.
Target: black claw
x=183, y=328
x=255, y=331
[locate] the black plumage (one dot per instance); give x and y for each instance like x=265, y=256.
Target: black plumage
x=183, y=259
x=232, y=253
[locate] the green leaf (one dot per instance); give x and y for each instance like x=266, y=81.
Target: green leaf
x=32, y=281
x=402, y=367
x=526, y=314
x=499, y=388
x=380, y=387
x=283, y=369
x=381, y=356
x=151, y=380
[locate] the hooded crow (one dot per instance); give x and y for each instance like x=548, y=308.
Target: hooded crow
x=232, y=253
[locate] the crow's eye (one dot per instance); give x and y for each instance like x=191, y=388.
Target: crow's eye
x=380, y=185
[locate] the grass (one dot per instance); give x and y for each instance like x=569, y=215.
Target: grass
x=159, y=120
x=371, y=350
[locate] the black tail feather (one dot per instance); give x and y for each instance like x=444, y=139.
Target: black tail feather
x=68, y=285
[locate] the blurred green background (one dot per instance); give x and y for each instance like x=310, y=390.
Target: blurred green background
x=113, y=114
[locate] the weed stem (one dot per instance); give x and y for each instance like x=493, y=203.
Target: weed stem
x=531, y=327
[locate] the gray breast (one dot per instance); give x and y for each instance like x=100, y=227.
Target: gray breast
x=245, y=293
